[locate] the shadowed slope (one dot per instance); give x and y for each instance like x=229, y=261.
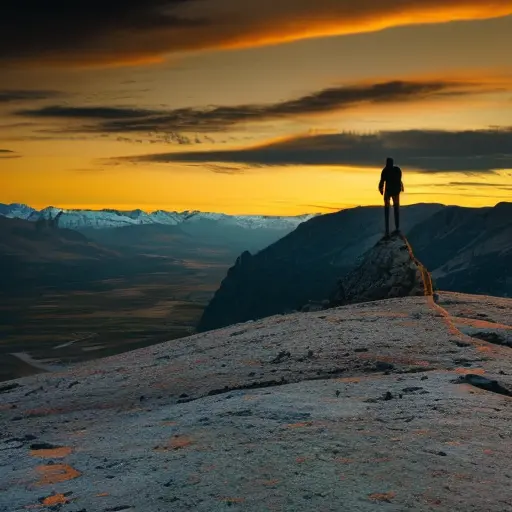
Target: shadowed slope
x=302, y=266
x=468, y=250
x=465, y=249
x=21, y=239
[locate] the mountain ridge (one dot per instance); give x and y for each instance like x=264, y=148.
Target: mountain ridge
x=76, y=218
x=22, y=240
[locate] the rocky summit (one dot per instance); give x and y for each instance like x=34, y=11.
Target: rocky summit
x=388, y=270
x=467, y=250
x=401, y=405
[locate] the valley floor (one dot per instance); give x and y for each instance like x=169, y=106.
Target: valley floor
x=49, y=327
x=359, y=408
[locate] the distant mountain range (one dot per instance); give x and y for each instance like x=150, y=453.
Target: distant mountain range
x=110, y=218
x=465, y=249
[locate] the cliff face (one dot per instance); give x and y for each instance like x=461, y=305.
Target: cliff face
x=231, y=302
x=386, y=271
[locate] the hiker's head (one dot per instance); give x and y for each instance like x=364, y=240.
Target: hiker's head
x=389, y=162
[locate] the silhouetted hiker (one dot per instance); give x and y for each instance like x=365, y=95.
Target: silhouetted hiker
x=391, y=177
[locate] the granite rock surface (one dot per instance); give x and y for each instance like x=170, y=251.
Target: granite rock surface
x=387, y=270
x=375, y=406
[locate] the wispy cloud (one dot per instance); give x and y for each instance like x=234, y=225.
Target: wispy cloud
x=421, y=150
x=113, y=119
x=18, y=95
x=114, y=32
x=473, y=195
x=224, y=169
x=463, y=185
x=7, y=153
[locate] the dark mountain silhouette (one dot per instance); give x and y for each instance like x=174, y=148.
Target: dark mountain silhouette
x=302, y=266
x=469, y=250
x=29, y=241
x=34, y=258
x=32, y=254
x=466, y=249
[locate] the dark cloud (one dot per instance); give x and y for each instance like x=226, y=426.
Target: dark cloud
x=134, y=31
x=472, y=184
x=10, y=126
x=460, y=194
x=423, y=150
x=120, y=119
x=32, y=138
x=480, y=184
x=14, y=95
x=98, y=31
x=7, y=153
x=101, y=113
x=225, y=169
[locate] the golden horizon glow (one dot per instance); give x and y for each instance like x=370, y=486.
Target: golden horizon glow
x=294, y=190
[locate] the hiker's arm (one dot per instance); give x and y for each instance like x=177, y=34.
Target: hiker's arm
x=381, y=182
x=402, y=186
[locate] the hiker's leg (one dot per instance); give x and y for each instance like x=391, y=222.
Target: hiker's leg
x=396, y=208
x=386, y=213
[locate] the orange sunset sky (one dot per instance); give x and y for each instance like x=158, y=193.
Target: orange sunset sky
x=260, y=106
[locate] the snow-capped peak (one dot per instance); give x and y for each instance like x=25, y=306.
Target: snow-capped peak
x=16, y=210
x=110, y=218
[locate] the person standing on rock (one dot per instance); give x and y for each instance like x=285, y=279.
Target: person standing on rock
x=390, y=186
